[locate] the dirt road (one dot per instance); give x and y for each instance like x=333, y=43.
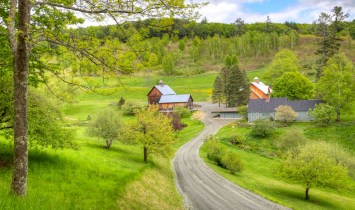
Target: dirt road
x=201, y=187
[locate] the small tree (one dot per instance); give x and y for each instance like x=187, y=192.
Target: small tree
x=285, y=114
x=313, y=165
x=323, y=114
x=232, y=162
x=218, y=91
x=106, y=126
x=153, y=130
x=262, y=128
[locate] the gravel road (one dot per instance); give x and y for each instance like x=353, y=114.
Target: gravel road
x=201, y=187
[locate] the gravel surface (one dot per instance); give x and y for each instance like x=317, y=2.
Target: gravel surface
x=201, y=187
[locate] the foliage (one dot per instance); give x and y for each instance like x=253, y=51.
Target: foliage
x=312, y=165
x=236, y=87
x=336, y=85
x=262, y=128
x=198, y=115
x=214, y=150
x=168, y=64
x=183, y=112
x=176, y=121
x=294, y=86
x=218, y=91
x=328, y=27
x=237, y=139
x=152, y=130
x=323, y=114
x=291, y=140
x=284, y=61
x=285, y=114
x=231, y=161
x=243, y=110
x=106, y=126
x=131, y=108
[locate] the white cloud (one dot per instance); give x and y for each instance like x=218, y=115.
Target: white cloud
x=304, y=11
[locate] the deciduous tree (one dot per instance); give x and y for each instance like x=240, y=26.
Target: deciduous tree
x=285, y=114
x=294, y=86
x=153, y=131
x=336, y=85
x=323, y=114
x=313, y=165
x=105, y=126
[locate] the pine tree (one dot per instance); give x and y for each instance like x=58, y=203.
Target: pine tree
x=236, y=89
x=218, y=91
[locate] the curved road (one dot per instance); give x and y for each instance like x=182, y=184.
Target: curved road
x=201, y=187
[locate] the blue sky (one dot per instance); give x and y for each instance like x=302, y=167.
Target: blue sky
x=300, y=11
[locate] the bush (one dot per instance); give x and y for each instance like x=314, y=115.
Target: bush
x=131, y=109
x=176, y=121
x=232, y=162
x=291, y=140
x=285, y=114
x=121, y=102
x=183, y=112
x=262, y=128
x=215, y=150
x=323, y=114
x=237, y=139
x=243, y=110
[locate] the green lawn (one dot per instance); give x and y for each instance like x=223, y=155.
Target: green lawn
x=260, y=159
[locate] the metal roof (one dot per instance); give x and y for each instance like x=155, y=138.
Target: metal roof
x=261, y=86
x=165, y=89
x=261, y=106
x=174, y=98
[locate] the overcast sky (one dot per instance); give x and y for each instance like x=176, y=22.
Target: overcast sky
x=299, y=11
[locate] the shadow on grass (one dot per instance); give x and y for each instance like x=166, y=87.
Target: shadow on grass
x=299, y=197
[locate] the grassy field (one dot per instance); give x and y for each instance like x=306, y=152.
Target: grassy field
x=94, y=177
x=259, y=158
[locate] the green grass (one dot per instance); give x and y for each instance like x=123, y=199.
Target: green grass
x=259, y=159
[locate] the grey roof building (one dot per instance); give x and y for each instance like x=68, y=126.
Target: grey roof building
x=184, y=98
x=262, y=108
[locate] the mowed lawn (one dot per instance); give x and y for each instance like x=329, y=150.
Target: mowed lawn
x=94, y=177
x=259, y=166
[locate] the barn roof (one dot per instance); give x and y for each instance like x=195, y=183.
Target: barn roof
x=184, y=98
x=262, y=106
x=165, y=89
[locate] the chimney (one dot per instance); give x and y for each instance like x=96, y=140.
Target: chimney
x=161, y=83
x=268, y=95
x=256, y=79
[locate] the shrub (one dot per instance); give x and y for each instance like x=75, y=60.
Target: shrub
x=291, y=140
x=285, y=114
x=237, y=139
x=176, y=121
x=232, y=162
x=131, y=109
x=243, y=110
x=183, y=112
x=214, y=150
x=323, y=114
x=262, y=128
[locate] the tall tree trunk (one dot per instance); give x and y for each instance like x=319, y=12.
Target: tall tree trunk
x=21, y=60
x=145, y=154
x=307, y=195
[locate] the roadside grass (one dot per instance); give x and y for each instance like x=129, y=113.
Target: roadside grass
x=94, y=177
x=259, y=157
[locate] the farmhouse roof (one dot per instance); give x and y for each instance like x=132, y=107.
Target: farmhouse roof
x=184, y=98
x=262, y=106
x=261, y=86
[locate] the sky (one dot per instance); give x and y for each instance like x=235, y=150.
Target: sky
x=279, y=11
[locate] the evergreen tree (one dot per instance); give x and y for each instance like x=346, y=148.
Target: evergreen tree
x=328, y=27
x=236, y=89
x=218, y=91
